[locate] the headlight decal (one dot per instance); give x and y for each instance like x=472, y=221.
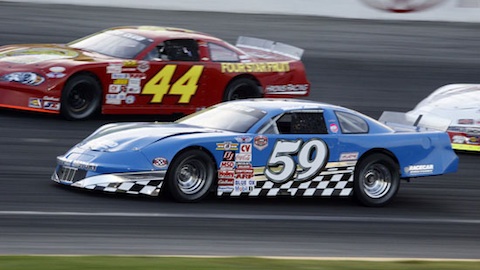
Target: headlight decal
x=28, y=78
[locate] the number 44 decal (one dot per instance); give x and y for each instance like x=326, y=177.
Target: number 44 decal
x=311, y=157
x=161, y=84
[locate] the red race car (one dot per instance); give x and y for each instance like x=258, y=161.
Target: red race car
x=146, y=70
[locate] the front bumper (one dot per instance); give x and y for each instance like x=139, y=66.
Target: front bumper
x=147, y=183
x=28, y=98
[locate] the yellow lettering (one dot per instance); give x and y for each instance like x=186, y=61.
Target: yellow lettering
x=186, y=86
x=255, y=67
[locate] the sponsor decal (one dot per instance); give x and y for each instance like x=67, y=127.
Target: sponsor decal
x=51, y=98
x=129, y=63
x=130, y=99
x=246, y=148
x=243, y=157
x=225, y=182
x=120, y=76
x=122, y=95
x=348, y=156
x=255, y=67
x=57, y=69
x=84, y=165
x=238, y=188
x=243, y=139
x=260, y=142
x=120, y=81
x=35, y=103
x=56, y=72
x=113, y=99
x=134, y=82
x=115, y=88
x=227, y=164
x=51, y=105
x=160, y=162
x=128, y=35
x=244, y=173
x=459, y=139
x=137, y=76
x=226, y=174
x=279, y=89
x=229, y=156
x=55, y=75
x=227, y=146
x=242, y=182
x=134, y=89
x=244, y=165
x=114, y=68
x=226, y=189
x=143, y=66
x=417, y=169
x=466, y=121
x=334, y=128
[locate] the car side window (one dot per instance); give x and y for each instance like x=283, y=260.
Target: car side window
x=221, y=54
x=175, y=50
x=351, y=124
x=297, y=123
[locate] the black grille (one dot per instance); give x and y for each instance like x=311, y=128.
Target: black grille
x=70, y=174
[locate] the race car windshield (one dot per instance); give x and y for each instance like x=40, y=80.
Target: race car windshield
x=226, y=117
x=113, y=43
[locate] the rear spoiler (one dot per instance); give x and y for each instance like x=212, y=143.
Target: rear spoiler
x=270, y=46
x=408, y=121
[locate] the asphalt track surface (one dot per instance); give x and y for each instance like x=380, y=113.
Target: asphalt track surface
x=370, y=66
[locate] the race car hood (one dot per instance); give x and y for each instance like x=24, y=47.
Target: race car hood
x=134, y=136
x=41, y=53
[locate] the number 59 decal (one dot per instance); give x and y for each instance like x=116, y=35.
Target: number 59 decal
x=161, y=84
x=311, y=157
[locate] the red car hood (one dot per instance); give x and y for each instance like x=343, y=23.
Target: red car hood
x=26, y=54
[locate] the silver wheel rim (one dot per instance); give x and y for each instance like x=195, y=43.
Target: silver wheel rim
x=377, y=181
x=191, y=177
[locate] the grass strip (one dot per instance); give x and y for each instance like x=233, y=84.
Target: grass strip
x=221, y=263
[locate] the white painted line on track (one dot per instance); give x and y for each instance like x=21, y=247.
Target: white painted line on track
x=246, y=217
x=367, y=259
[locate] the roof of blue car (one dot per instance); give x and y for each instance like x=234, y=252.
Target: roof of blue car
x=284, y=104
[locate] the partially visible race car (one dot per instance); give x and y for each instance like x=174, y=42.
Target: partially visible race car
x=459, y=103
x=146, y=70
x=258, y=147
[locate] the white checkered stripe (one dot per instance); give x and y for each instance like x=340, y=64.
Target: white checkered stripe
x=146, y=187
x=332, y=181
x=323, y=185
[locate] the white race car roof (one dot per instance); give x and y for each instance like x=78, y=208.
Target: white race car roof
x=454, y=96
x=454, y=101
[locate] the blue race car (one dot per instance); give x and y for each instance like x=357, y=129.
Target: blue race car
x=259, y=147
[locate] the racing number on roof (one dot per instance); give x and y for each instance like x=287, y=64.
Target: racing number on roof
x=161, y=84
x=311, y=158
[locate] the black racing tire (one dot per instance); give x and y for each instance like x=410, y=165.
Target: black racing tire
x=377, y=180
x=81, y=97
x=242, y=88
x=190, y=176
